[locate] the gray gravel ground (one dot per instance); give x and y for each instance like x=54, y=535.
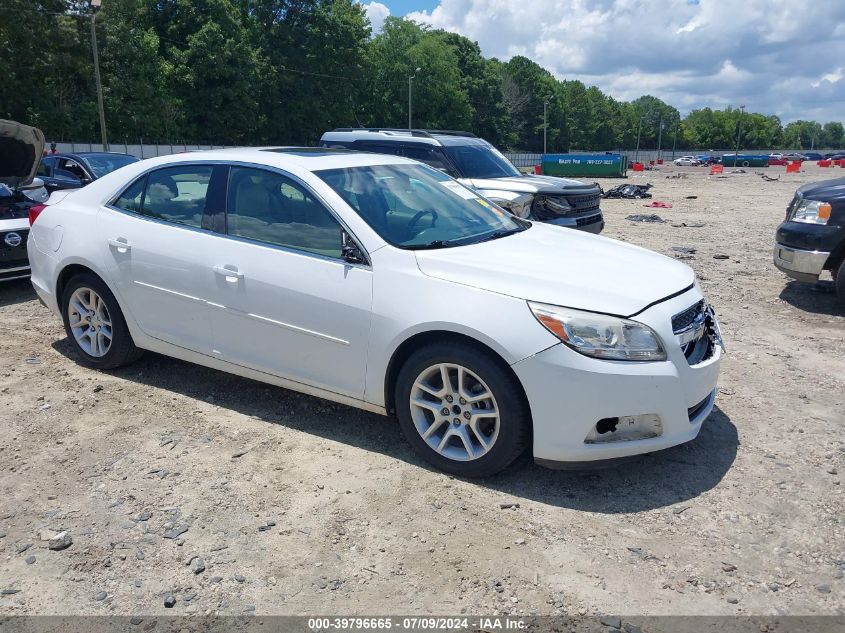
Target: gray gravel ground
x=185, y=490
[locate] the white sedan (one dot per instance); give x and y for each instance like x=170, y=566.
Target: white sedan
x=381, y=283
x=687, y=161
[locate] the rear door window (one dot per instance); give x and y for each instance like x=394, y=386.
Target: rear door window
x=430, y=156
x=177, y=194
x=45, y=167
x=130, y=199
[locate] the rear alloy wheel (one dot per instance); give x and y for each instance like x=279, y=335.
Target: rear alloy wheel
x=461, y=410
x=95, y=324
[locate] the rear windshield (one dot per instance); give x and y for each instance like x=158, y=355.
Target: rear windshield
x=480, y=161
x=102, y=165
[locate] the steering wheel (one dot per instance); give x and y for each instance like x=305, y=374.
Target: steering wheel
x=419, y=214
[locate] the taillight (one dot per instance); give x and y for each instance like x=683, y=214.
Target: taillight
x=34, y=211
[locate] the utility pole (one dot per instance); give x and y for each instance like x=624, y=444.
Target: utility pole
x=639, y=129
x=95, y=5
x=738, y=129
x=410, y=102
x=675, y=140
x=545, y=122
x=659, y=136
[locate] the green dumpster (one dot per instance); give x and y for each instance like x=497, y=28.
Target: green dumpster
x=592, y=165
x=745, y=160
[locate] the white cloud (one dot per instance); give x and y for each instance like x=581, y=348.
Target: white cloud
x=831, y=78
x=763, y=53
x=376, y=12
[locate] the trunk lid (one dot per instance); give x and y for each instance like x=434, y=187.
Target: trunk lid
x=21, y=148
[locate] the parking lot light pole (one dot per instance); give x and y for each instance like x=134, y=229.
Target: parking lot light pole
x=95, y=4
x=410, y=102
x=545, y=122
x=659, y=136
x=738, y=129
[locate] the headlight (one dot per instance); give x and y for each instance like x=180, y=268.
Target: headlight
x=520, y=205
x=811, y=212
x=599, y=335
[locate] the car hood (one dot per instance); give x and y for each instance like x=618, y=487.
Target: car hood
x=826, y=190
x=21, y=148
x=562, y=267
x=532, y=184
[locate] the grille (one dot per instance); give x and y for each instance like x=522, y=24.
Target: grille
x=546, y=207
x=583, y=204
x=585, y=221
x=13, y=255
x=684, y=319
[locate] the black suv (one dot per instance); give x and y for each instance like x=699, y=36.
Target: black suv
x=480, y=166
x=812, y=238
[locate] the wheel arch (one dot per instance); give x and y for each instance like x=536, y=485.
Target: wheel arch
x=419, y=340
x=68, y=270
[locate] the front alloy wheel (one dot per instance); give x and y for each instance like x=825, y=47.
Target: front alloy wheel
x=455, y=412
x=462, y=409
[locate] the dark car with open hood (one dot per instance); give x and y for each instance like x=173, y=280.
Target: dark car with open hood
x=21, y=147
x=812, y=237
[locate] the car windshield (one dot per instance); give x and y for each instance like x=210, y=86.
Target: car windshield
x=480, y=161
x=416, y=206
x=107, y=163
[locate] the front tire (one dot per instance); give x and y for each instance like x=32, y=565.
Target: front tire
x=840, y=282
x=95, y=325
x=461, y=409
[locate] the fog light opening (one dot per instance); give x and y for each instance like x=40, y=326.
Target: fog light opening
x=606, y=425
x=625, y=429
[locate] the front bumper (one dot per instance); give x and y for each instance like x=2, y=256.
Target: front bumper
x=800, y=264
x=569, y=393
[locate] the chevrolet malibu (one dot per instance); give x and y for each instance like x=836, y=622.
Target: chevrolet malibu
x=381, y=283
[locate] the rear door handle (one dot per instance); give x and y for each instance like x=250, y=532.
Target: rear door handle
x=231, y=273
x=120, y=244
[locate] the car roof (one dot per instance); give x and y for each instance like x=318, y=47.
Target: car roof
x=87, y=154
x=404, y=136
x=288, y=158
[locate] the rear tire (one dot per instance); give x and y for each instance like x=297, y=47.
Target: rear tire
x=95, y=325
x=472, y=423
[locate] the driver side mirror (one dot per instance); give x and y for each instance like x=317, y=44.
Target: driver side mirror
x=350, y=251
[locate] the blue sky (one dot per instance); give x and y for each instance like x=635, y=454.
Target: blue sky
x=401, y=7
x=783, y=57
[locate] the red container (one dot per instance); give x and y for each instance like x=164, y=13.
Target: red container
x=823, y=163
x=716, y=169
x=638, y=167
x=794, y=167
x=660, y=161
x=651, y=163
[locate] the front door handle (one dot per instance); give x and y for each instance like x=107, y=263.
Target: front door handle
x=121, y=244
x=231, y=273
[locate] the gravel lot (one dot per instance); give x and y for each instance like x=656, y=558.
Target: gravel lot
x=294, y=505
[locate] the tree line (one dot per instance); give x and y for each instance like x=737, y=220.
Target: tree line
x=284, y=71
